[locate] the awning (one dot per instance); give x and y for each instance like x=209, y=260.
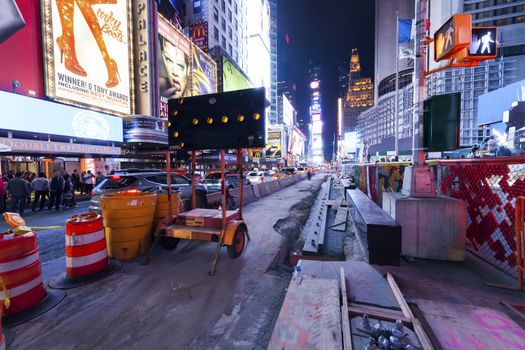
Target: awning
x=21, y=146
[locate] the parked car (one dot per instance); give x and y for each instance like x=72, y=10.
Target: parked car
x=212, y=181
x=255, y=177
x=301, y=170
x=147, y=182
x=289, y=171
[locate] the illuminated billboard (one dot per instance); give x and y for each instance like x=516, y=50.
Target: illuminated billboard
x=174, y=65
x=288, y=111
x=317, y=127
x=87, y=53
x=21, y=54
x=203, y=73
x=273, y=145
x=199, y=35
x=317, y=143
x=67, y=120
x=452, y=36
x=232, y=78
x=314, y=85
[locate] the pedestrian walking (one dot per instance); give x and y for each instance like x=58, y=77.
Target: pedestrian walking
x=41, y=187
x=18, y=189
x=89, y=179
x=100, y=177
x=309, y=174
x=82, y=183
x=56, y=188
x=69, y=192
x=76, y=180
x=3, y=193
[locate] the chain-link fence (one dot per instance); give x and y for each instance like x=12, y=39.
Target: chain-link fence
x=488, y=186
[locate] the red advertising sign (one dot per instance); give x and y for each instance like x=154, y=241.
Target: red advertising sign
x=199, y=35
x=21, y=68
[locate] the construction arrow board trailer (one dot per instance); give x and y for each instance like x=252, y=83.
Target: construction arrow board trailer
x=228, y=120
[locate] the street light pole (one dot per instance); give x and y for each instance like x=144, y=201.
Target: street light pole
x=419, y=178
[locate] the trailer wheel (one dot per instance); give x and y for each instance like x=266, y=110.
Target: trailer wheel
x=169, y=243
x=239, y=240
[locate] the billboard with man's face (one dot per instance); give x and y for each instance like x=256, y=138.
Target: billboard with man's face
x=87, y=53
x=174, y=65
x=203, y=73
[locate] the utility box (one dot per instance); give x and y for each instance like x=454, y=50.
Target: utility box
x=441, y=122
x=432, y=228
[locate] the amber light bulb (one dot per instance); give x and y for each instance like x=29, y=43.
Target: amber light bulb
x=176, y=134
x=224, y=119
x=240, y=118
x=195, y=121
x=256, y=116
x=209, y=120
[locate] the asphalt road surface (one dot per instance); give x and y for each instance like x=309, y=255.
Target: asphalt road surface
x=172, y=303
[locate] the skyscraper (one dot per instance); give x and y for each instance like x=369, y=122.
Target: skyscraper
x=359, y=95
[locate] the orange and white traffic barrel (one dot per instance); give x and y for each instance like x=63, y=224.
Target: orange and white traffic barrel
x=86, y=249
x=6, y=304
x=21, y=272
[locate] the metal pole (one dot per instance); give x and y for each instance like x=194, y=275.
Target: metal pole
x=224, y=190
x=241, y=185
x=168, y=177
x=519, y=240
x=396, y=107
x=193, y=185
x=418, y=156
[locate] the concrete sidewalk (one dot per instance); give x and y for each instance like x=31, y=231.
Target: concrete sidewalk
x=171, y=302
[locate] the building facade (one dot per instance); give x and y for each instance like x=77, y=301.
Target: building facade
x=227, y=25
x=376, y=125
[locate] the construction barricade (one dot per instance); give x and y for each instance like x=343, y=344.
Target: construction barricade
x=21, y=272
x=86, y=252
x=273, y=186
x=128, y=221
x=162, y=206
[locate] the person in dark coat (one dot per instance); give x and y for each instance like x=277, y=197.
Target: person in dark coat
x=56, y=188
x=18, y=189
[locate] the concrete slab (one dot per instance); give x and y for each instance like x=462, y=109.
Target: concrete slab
x=170, y=302
x=432, y=228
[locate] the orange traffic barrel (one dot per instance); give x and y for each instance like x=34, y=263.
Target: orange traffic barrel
x=128, y=221
x=21, y=272
x=86, y=251
x=2, y=338
x=162, y=208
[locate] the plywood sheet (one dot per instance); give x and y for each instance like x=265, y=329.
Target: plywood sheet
x=310, y=317
x=466, y=327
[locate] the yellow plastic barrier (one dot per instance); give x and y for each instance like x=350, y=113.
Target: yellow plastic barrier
x=128, y=221
x=162, y=208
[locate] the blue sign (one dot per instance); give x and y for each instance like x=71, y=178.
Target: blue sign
x=38, y=116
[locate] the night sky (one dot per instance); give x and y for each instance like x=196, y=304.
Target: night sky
x=329, y=29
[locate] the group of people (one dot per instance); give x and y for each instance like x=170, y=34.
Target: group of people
x=59, y=189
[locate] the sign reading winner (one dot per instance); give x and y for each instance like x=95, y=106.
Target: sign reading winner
x=88, y=53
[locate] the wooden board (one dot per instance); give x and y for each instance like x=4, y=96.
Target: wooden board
x=345, y=320
x=466, y=327
x=340, y=219
x=365, y=284
x=310, y=317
